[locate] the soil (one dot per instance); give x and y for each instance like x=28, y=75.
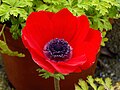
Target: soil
x=109, y=59
x=108, y=67
x=108, y=62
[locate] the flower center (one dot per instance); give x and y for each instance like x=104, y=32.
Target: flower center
x=58, y=50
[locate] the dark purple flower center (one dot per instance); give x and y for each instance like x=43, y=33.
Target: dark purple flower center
x=58, y=50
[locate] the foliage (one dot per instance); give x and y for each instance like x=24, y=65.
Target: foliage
x=45, y=74
x=5, y=49
x=96, y=84
x=104, y=39
x=15, y=12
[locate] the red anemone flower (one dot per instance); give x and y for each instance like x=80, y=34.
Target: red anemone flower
x=61, y=42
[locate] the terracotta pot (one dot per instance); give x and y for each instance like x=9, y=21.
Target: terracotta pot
x=22, y=73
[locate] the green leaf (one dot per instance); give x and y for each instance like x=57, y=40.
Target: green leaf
x=16, y=32
x=101, y=6
x=108, y=82
x=77, y=87
x=45, y=74
x=105, y=39
x=29, y=10
x=15, y=8
x=102, y=43
x=29, y=2
x=102, y=9
x=95, y=2
x=100, y=25
x=10, y=2
x=77, y=11
x=14, y=28
x=23, y=14
x=14, y=11
x=113, y=11
x=100, y=81
x=107, y=24
x=24, y=3
x=103, y=33
x=48, y=1
x=99, y=84
x=54, y=2
x=83, y=4
x=112, y=2
x=42, y=7
x=91, y=82
x=58, y=76
x=22, y=25
x=83, y=84
x=105, y=4
x=101, y=88
x=4, y=12
x=70, y=2
x=5, y=18
x=4, y=9
x=18, y=3
x=5, y=50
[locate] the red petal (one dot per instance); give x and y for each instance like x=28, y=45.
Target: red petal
x=36, y=52
x=50, y=14
x=38, y=17
x=38, y=28
x=41, y=61
x=31, y=44
x=65, y=24
x=82, y=30
x=83, y=26
x=80, y=35
x=92, y=41
x=78, y=70
x=77, y=61
x=69, y=66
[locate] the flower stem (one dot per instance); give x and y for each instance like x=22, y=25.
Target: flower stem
x=56, y=84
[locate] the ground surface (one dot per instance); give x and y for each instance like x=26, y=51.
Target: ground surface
x=109, y=60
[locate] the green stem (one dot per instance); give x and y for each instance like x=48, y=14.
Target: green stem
x=2, y=29
x=2, y=33
x=56, y=84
